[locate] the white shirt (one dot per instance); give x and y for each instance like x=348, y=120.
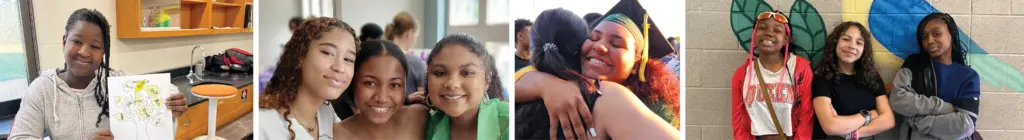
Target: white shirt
x=760, y=121
x=272, y=125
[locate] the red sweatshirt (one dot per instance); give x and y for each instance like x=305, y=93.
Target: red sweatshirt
x=793, y=104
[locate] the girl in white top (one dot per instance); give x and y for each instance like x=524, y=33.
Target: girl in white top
x=316, y=66
x=785, y=85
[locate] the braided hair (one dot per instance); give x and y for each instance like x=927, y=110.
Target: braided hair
x=283, y=87
x=959, y=49
x=95, y=17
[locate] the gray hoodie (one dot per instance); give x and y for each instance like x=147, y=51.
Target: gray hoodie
x=921, y=117
x=52, y=108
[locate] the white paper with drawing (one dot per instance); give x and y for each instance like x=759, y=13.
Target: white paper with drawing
x=138, y=109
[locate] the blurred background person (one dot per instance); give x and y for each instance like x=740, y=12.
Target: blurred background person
x=522, y=29
x=370, y=31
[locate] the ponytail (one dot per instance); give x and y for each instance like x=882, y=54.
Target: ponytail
x=401, y=23
x=388, y=31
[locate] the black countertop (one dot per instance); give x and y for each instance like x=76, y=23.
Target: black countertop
x=238, y=80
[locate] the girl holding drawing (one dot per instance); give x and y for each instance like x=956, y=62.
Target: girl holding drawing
x=61, y=103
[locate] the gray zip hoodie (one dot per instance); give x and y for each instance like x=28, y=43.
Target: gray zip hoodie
x=921, y=117
x=52, y=108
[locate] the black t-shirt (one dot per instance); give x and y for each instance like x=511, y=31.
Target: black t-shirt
x=849, y=96
x=520, y=63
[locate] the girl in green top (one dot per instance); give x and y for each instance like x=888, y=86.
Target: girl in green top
x=463, y=84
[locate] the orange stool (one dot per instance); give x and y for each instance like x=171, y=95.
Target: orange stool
x=213, y=92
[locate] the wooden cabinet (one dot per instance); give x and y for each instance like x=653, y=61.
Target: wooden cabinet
x=196, y=17
x=194, y=121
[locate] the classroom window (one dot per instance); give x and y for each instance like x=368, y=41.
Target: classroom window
x=463, y=12
x=16, y=52
x=497, y=12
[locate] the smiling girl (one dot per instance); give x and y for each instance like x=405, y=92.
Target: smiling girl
x=636, y=110
x=316, y=66
x=850, y=100
x=771, y=91
x=464, y=85
x=378, y=94
x=61, y=103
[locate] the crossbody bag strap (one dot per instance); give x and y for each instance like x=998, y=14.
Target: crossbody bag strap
x=768, y=100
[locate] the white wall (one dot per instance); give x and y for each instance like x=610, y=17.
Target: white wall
x=272, y=26
x=496, y=37
x=130, y=55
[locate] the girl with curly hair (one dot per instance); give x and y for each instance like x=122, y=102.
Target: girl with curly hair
x=316, y=66
x=850, y=100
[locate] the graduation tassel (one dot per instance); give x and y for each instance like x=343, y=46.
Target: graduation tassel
x=643, y=53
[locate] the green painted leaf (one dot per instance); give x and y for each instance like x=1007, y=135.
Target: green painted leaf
x=997, y=73
x=808, y=31
x=742, y=17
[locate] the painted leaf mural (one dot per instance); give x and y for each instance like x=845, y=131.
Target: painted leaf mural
x=742, y=17
x=893, y=23
x=808, y=31
x=896, y=31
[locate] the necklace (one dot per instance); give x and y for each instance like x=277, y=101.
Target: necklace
x=309, y=128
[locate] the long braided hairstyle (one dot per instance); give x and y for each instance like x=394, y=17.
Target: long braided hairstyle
x=95, y=17
x=283, y=87
x=959, y=49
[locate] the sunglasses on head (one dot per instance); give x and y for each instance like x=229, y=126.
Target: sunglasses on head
x=774, y=13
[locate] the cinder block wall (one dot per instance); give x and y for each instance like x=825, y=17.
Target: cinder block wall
x=713, y=53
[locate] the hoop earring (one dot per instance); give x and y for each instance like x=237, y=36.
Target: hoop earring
x=428, y=101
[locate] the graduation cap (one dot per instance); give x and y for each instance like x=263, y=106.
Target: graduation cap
x=655, y=46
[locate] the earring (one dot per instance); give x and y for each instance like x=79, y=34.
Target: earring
x=486, y=98
x=428, y=101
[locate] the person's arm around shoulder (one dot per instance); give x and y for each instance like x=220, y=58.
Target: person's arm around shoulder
x=562, y=99
x=30, y=121
x=531, y=86
x=620, y=115
x=740, y=118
